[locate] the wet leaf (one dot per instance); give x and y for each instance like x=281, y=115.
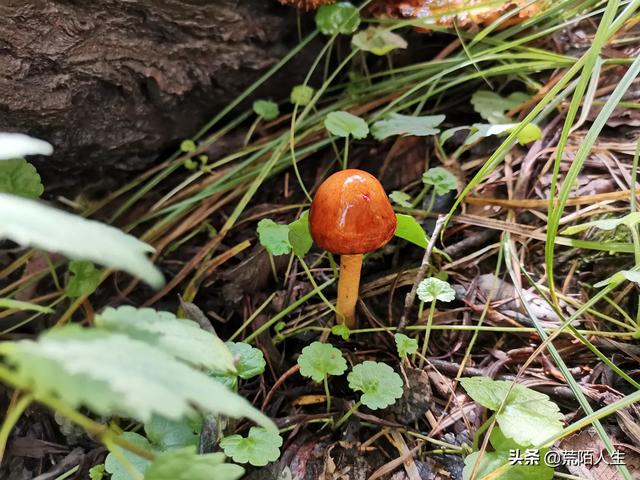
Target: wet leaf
x=410, y=230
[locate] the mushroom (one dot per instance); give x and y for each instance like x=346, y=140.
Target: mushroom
x=350, y=216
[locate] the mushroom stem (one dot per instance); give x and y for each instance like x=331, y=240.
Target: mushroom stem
x=348, y=287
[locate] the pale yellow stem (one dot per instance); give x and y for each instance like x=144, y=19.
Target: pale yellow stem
x=348, y=287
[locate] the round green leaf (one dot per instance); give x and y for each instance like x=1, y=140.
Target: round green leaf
x=301, y=95
x=321, y=359
x=378, y=41
x=343, y=124
x=300, y=236
x=341, y=17
x=167, y=434
x=431, y=289
x=405, y=345
x=266, y=109
x=19, y=177
x=258, y=448
x=380, y=385
x=401, y=198
x=274, y=237
x=249, y=360
x=84, y=280
x=441, y=179
x=188, y=146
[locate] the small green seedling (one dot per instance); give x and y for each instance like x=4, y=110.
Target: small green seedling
x=19, y=177
x=189, y=146
x=397, y=124
x=301, y=95
x=380, y=385
x=525, y=419
x=405, y=345
x=265, y=110
x=430, y=290
x=259, y=448
x=340, y=17
x=341, y=330
x=319, y=360
x=378, y=40
x=84, y=280
x=402, y=199
x=344, y=124
x=492, y=107
x=249, y=363
x=440, y=181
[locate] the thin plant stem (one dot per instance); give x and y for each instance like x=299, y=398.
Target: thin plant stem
x=345, y=158
x=12, y=417
x=346, y=416
x=325, y=381
x=427, y=333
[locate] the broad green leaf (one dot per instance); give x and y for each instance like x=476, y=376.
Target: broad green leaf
x=341, y=330
x=84, y=280
x=492, y=107
x=20, y=305
x=440, y=179
x=343, y=124
x=249, y=361
x=300, y=235
x=397, y=124
x=379, y=384
x=410, y=230
x=266, y=109
x=492, y=460
x=274, y=237
x=30, y=223
x=116, y=469
x=97, y=472
x=405, y=345
x=301, y=95
x=629, y=221
x=112, y=374
x=188, y=146
x=530, y=133
x=168, y=434
x=186, y=464
x=401, y=198
x=181, y=338
x=19, y=177
x=340, y=17
x=319, y=360
x=258, y=448
x=528, y=417
x=431, y=289
x=500, y=442
x=378, y=41
x=18, y=145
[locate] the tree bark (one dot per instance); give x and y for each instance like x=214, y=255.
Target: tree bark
x=114, y=82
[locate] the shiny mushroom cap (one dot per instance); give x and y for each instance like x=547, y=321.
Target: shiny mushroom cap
x=351, y=214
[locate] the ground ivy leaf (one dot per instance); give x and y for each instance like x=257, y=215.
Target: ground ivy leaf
x=431, y=289
x=380, y=385
x=528, y=417
x=397, y=124
x=112, y=374
x=378, y=41
x=116, y=469
x=410, y=230
x=341, y=17
x=179, y=337
x=168, y=434
x=274, y=237
x=301, y=95
x=405, y=345
x=321, y=359
x=84, y=280
x=343, y=124
x=401, y=198
x=18, y=145
x=258, y=448
x=492, y=460
x=440, y=179
x=186, y=464
x=300, y=235
x=31, y=223
x=341, y=330
x=492, y=107
x=19, y=177
x=266, y=109
x=249, y=360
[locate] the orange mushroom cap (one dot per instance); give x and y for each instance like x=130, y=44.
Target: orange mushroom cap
x=351, y=214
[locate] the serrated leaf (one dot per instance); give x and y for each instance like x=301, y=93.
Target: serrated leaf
x=274, y=237
x=440, y=179
x=405, y=345
x=258, y=448
x=97, y=472
x=397, y=124
x=492, y=107
x=31, y=223
x=249, y=361
x=266, y=109
x=19, y=177
x=340, y=17
x=528, y=417
x=112, y=374
x=186, y=464
x=431, y=289
x=116, y=469
x=18, y=145
x=343, y=124
x=380, y=385
x=84, y=280
x=629, y=220
x=321, y=359
x=341, y=330
x=181, y=338
x=401, y=198
x=378, y=41
x=410, y=230
x=300, y=235
x=492, y=460
x=167, y=434
x=301, y=95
